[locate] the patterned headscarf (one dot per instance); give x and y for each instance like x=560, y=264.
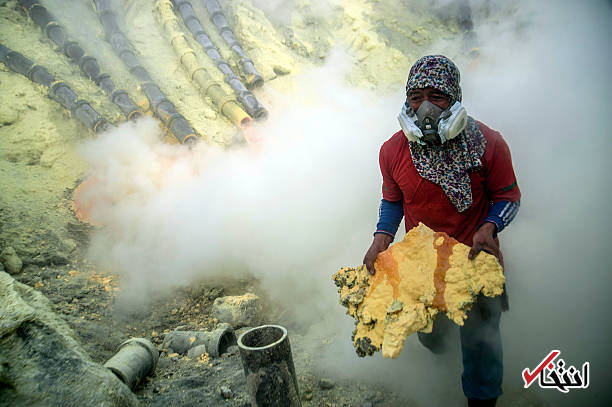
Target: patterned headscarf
x=449, y=164
x=436, y=71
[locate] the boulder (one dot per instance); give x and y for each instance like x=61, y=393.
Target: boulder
x=239, y=310
x=41, y=362
x=12, y=263
x=416, y=279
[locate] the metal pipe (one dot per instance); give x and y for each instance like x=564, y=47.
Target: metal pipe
x=88, y=64
x=244, y=96
x=58, y=90
x=135, y=359
x=216, y=342
x=160, y=105
x=197, y=73
x=253, y=78
x=268, y=365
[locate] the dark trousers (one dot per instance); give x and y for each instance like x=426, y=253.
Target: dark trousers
x=481, y=347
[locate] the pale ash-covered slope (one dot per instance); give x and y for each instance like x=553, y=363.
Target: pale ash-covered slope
x=425, y=274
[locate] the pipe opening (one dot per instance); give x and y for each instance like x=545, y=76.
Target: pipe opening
x=228, y=339
x=191, y=140
x=246, y=122
x=119, y=375
x=254, y=83
x=262, y=337
x=261, y=114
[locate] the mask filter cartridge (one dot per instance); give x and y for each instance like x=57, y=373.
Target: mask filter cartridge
x=428, y=116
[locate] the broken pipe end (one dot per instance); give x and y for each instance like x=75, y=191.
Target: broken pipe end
x=254, y=81
x=135, y=360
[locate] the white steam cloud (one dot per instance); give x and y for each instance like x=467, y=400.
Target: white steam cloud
x=290, y=211
x=304, y=202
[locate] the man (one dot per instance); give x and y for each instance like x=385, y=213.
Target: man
x=455, y=175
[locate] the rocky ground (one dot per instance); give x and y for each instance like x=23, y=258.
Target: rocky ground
x=88, y=301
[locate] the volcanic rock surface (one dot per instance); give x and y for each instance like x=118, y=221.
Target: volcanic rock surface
x=41, y=363
x=425, y=274
x=12, y=263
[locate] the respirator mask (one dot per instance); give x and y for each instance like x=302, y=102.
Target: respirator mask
x=431, y=125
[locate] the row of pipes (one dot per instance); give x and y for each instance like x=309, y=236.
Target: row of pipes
x=253, y=79
x=158, y=102
x=197, y=73
x=58, y=90
x=88, y=64
x=239, y=108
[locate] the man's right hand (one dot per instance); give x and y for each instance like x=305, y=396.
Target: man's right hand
x=381, y=243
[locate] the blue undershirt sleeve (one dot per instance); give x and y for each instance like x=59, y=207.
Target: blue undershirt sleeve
x=390, y=215
x=501, y=213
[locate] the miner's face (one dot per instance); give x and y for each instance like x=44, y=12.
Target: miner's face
x=418, y=96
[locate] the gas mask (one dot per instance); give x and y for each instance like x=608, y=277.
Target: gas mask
x=431, y=125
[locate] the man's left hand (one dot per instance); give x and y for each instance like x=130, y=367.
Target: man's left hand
x=483, y=240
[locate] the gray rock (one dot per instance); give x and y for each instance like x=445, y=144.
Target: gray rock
x=164, y=363
x=281, y=70
x=326, y=384
x=232, y=350
x=396, y=306
x=196, y=351
x=238, y=311
x=225, y=392
x=43, y=249
x=183, y=341
x=42, y=364
x=32, y=269
x=12, y=263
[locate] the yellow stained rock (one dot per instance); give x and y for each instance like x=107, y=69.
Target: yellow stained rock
x=426, y=273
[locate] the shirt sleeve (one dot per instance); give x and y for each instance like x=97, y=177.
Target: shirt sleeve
x=501, y=214
x=390, y=190
x=500, y=179
x=390, y=216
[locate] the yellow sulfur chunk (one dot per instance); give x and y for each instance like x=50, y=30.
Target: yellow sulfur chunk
x=426, y=273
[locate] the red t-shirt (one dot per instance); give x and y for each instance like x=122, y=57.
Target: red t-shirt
x=426, y=202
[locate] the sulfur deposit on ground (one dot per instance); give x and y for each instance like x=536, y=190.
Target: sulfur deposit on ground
x=425, y=274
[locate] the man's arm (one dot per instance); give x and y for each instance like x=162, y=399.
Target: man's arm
x=500, y=215
x=505, y=200
x=390, y=213
x=390, y=216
